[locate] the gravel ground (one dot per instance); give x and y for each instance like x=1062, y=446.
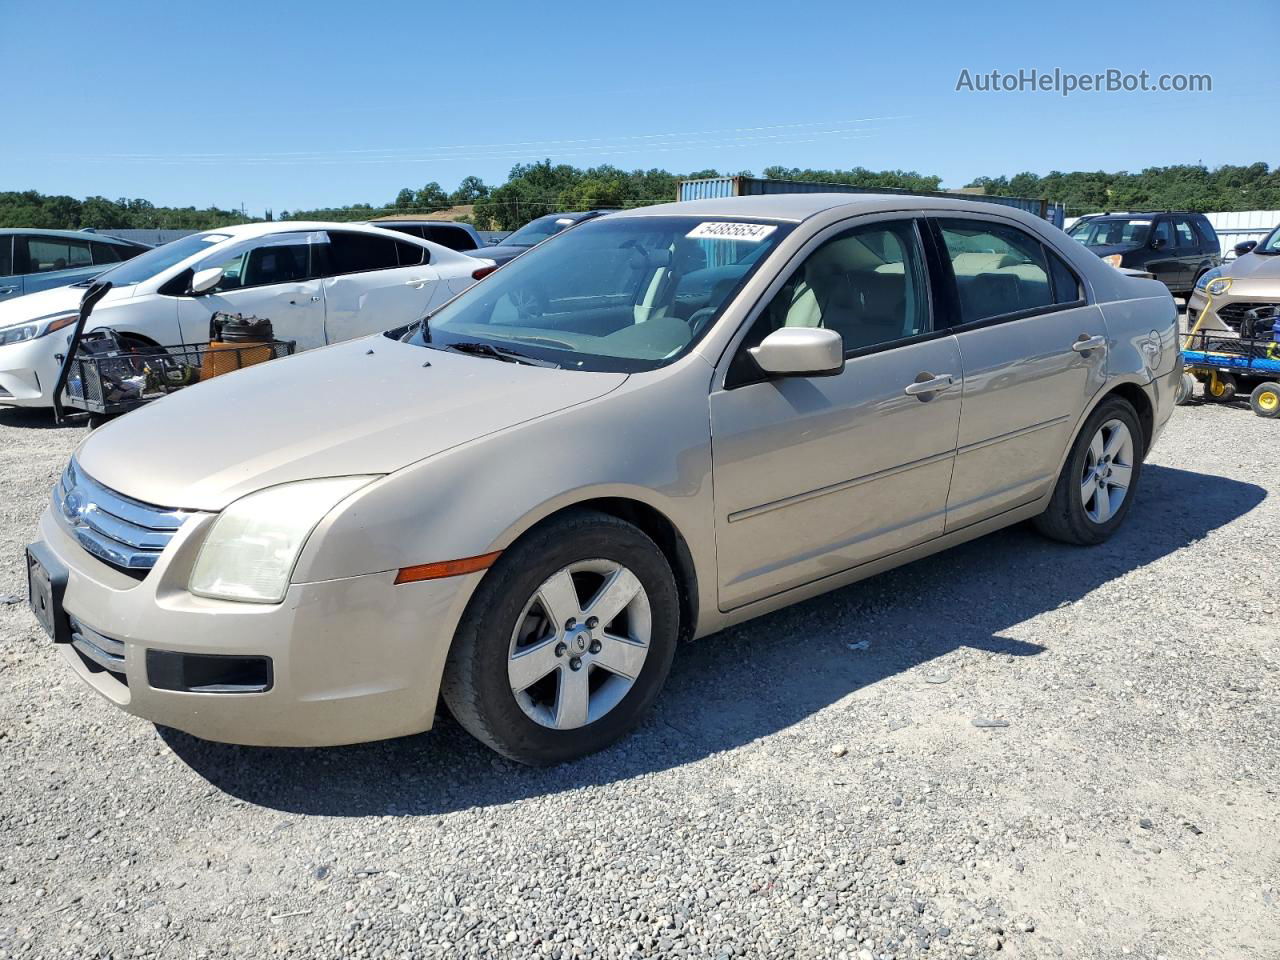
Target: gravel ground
x=1017, y=748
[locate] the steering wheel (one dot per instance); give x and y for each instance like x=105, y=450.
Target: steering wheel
x=700, y=319
x=529, y=301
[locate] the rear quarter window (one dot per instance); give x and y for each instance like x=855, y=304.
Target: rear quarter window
x=455, y=238
x=6, y=255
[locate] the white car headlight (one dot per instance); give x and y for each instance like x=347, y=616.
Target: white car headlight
x=250, y=552
x=38, y=328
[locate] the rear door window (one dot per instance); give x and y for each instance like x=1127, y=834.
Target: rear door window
x=1186, y=236
x=51, y=254
x=6, y=255
x=106, y=253
x=999, y=269
x=455, y=238
x=361, y=252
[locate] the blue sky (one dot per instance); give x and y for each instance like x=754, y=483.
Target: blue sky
x=288, y=105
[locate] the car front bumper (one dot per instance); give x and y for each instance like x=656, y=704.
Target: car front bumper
x=351, y=660
x=1228, y=309
x=28, y=371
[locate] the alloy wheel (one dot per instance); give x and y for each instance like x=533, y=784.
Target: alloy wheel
x=1108, y=470
x=579, y=644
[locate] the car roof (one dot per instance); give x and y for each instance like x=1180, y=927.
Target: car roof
x=415, y=222
x=795, y=207
x=247, y=231
x=78, y=234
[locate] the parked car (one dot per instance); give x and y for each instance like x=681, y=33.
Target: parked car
x=456, y=236
x=1175, y=248
x=524, y=501
x=317, y=283
x=534, y=232
x=32, y=260
x=1250, y=281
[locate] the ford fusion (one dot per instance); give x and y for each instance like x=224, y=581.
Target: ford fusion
x=661, y=423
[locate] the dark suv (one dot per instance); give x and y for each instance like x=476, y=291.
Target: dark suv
x=1175, y=248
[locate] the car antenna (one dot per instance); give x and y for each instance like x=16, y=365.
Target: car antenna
x=97, y=290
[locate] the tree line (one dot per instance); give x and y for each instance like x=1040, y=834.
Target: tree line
x=534, y=189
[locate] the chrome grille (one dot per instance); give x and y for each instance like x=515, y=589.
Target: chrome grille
x=124, y=533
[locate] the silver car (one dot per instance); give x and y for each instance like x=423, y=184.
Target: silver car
x=653, y=426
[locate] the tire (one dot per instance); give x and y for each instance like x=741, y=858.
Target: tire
x=1225, y=384
x=1186, y=390
x=510, y=619
x=1075, y=515
x=1265, y=400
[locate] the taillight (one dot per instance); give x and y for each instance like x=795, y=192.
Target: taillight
x=482, y=272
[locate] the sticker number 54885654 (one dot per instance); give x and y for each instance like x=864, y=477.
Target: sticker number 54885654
x=750, y=232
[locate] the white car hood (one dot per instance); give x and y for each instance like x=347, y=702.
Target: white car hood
x=44, y=303
x=367, y=406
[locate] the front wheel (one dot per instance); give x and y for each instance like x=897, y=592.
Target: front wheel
x=567, y=641
x=1095, y=489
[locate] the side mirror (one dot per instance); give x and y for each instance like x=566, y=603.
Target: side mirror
x=205, y=280
x=800, y=352
x=1157, y=243
x=1244, y=247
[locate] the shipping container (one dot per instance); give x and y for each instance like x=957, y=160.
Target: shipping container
x=713, y=187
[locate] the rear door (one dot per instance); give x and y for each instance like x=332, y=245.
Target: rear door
x=10, y=279
x=373, y=283
x=53, y=261
x=273, y=278
x=1162, y=259
x=1034, y=354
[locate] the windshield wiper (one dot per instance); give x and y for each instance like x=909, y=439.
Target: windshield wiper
x=478, y=349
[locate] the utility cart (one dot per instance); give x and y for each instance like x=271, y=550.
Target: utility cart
x=105, y=376
x=1231, y=366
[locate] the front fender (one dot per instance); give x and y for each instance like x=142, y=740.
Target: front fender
x=649, y=441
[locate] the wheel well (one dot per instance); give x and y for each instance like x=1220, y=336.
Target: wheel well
x=1141, y=403
x=663, y=532
x=129, y=335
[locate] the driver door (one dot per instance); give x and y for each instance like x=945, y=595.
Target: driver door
x=815, y=475
x=273, y=278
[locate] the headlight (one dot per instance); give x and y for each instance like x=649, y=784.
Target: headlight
x=1207, y=276
x=250, y=552
x=1114, y=259
x=29, y=331
x=1217, y=286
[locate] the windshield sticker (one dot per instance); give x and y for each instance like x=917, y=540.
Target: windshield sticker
x=750, y=232
x=564, y=221
x=216, y=237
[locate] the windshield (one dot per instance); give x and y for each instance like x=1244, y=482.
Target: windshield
x=1111, y=232
x=1271, y=244
x=535, y=231
x=624, y=295
x=147, y=265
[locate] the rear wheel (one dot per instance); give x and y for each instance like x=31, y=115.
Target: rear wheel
x=567, y=641
x=1265, y=400
x=1095, y=489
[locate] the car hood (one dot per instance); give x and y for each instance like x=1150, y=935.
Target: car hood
x=1254, y=266
x=43, y=303
x=1107, y=249
x=368, y=406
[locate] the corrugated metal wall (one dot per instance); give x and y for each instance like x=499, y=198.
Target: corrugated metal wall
x=714, y=187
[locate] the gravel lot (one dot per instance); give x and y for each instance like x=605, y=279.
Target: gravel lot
x=1017, y=748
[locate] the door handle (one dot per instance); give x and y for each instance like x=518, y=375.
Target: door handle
x=926, y=385
x=315, y=299
x=6, y=290
x=419, y=283
x=1084, y=343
